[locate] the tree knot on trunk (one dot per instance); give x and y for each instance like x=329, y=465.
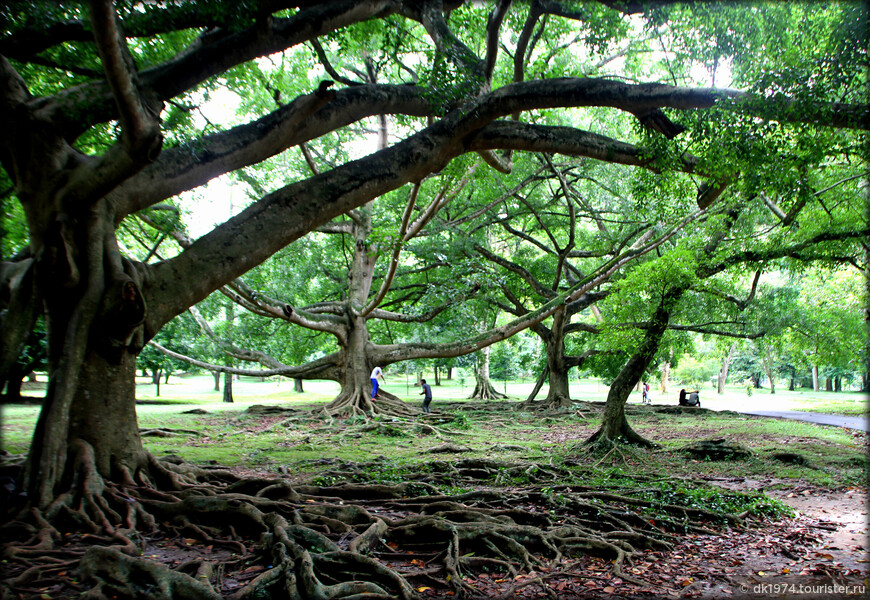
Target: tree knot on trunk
x=123, y=313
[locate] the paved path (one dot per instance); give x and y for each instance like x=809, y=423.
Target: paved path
x=860, y=423
x=779, y=409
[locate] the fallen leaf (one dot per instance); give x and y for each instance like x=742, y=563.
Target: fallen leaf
x=254, y=569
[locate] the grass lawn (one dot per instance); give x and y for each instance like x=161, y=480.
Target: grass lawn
x=537, y=464
x=228, y=435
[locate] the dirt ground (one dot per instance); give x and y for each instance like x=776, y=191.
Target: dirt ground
x=823, y=552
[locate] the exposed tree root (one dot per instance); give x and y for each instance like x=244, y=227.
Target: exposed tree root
x=609, y=437
x=356, y=402
x=552, y=403
x=484, y=390
x=164, y=432
x=207, y=534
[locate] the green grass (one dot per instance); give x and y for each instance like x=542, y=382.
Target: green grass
x=228, y=436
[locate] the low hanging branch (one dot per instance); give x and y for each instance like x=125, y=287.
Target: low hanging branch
x=319, y=366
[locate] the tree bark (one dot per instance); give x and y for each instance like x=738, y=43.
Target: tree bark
x=14, y=381
x=723, y=372
x=217, y=380
x=815, y=378
x=538, y=385
x=614, y=426
x=483, y=388
x=297, y=385
x=228, y=388
x=558, y=394
x=103, y=414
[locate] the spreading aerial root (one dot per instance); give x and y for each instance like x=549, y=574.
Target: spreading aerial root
x=198, y=534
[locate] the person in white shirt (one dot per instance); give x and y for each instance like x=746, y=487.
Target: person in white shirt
x=376, y=372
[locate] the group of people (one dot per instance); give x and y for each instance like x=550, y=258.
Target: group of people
x=690, y=398
x=378, y=373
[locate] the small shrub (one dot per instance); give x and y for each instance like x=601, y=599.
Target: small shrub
x=461, y=421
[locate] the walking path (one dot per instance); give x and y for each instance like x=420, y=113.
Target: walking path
x=859, y=423
x=780, y=409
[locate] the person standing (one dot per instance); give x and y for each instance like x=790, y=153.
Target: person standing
x=427, y=395
x=376, y=372
x=645, y=393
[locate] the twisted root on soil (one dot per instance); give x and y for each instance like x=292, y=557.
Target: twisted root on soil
x=181, y=532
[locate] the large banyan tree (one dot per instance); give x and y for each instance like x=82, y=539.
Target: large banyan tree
x=96, y=101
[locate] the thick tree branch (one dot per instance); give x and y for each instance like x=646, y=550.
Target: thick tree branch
x=493, y=29
x=324, y=60
x=258, y=232
x=277, y=310
x=24, y=44
x=795, y=251
x=526, y=275
x=322, y=367
x=231, y=349
x=399, y=352
x=403, y=237
x=213, y=53
x=138, y=127
x=740, y=303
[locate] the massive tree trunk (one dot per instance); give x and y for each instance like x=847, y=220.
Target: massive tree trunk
x=95, y=438
x=94, y=315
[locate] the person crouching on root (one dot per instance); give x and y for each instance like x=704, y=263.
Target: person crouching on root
x=376, y=372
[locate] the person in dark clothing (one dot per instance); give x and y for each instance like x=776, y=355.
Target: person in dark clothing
x=427, y=395
x=690, y=399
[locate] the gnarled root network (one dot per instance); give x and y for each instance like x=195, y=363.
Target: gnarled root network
x=207, y=534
